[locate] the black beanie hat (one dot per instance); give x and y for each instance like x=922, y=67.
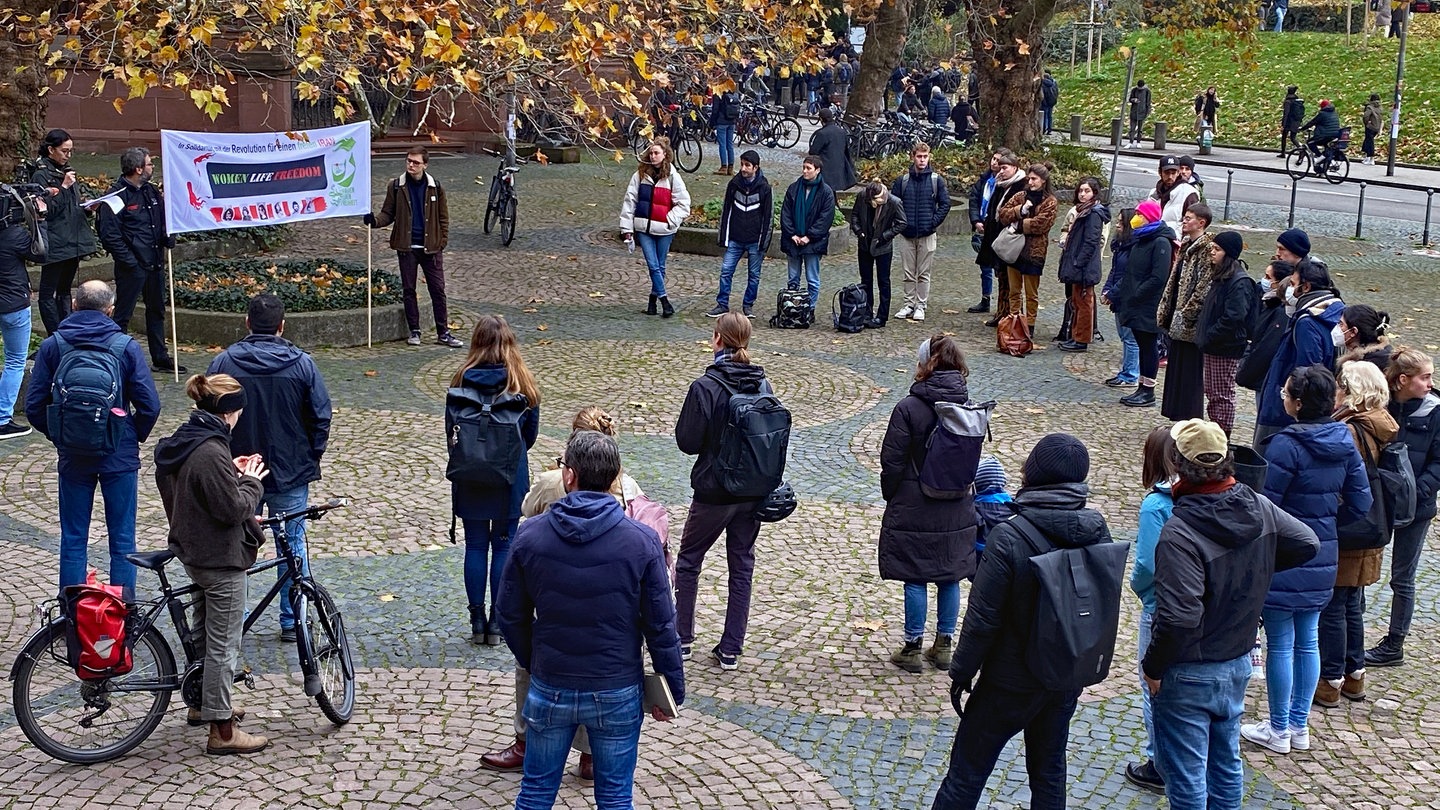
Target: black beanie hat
x=1059, y=458
x=751, y=156
x=1230, y=242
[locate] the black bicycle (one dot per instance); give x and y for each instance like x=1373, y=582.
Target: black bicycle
x=89, y=721
x=504, y=205
x=1328, y=162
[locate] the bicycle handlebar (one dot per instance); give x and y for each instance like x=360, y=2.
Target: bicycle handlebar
x=309, y=512
x=518, y=159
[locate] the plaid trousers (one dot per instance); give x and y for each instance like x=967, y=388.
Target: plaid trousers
x=1220, y=390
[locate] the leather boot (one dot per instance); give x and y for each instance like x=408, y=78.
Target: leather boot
x=983, y=306
x=227, y=738
x=665, y=309
x=1144, y=397
x=477, y=624
x=650, y=310
x=587, y=765
x=493, y=637
x=508, y=761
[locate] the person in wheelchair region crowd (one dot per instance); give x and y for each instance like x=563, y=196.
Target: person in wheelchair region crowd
x=210, y=500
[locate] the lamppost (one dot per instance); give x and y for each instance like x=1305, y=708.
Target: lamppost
x=1404, y=11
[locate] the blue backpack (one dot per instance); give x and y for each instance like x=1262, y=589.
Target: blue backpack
x=86, y=412
x=952, y=453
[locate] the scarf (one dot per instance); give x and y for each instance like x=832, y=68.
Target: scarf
x=1183, y=487
x=803, y=200
x=724, y=355
x=1071, y=218
x=985, y=195
x=1147, y=229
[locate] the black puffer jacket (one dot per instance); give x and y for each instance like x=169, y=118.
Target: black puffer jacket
x=1230, y=309
x=922, y=539
x=70, y=234
x=702, y=420
x=1138, y=294
x=1001, y=608
x=1080, y=260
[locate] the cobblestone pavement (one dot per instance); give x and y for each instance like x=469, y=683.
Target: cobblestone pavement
x=816, y=717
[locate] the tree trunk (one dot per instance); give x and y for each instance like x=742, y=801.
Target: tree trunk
x=882, y=53
x=1007, y=38
x=22, y=107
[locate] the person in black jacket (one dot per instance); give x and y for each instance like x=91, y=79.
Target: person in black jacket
x=805, y=218
x=831, y=143
x=999, y=617
x=1326, y=128
x=747, y=221
x=713, y=510
x=287, y=421
x=1213, y=565
x=1223, y=330
x=724, y=112
x=978, y=200
x=17, y=246
x=1292, y=113
x=136, y=239
x=924, y=539
x=876, y=219
x=1138, y=294
x=71, y=238
x=1080, y=243
x=1271, y=323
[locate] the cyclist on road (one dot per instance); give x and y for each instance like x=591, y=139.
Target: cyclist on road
x=1326, y=126
x=210, y=500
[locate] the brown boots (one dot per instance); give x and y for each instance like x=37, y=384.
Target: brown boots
x=228, y=738
x=509, y=760
x=724, y=170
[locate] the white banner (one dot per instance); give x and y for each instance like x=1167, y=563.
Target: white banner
x=216, y=180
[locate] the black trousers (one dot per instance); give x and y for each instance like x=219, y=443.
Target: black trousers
x=55, y=282
x=131, y=283
x=873, y=270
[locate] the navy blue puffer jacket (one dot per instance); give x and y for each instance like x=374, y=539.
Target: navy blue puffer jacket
x=1315, y=474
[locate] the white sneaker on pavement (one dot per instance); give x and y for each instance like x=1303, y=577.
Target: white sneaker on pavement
x=1300, y=739
x=919, y=315
x=1265, y=735
x=905, y=311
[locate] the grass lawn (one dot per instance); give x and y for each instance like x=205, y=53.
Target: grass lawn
x=1321, y=64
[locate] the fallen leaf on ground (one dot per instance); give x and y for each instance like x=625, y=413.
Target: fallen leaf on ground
x=597, y=295
x=543, y=328
x=869, y=625
x=387, y=597
x=641, y=405
x=214, y=349
x=950, y=311
x=530, y=310
x=544, y=342
x=372, y=373
x=1034, y=410
x=948, y=334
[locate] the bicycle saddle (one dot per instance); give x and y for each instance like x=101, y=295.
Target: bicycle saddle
x=152, y=560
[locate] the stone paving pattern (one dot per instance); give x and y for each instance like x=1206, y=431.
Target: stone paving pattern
x=816, y=717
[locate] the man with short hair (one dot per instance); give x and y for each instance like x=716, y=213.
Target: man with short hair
x=136, y=238
x=831, y=143
x=1188, y=175
x=415, y=204
x=747, y=218
x=91, y=326
x=286, y=420
x=926, y=199
x=1292, y=115
x=1174, y=194
x=583, y=586
x=1213, y=564
x=1139, y=111
x=805, y=219
x=1049, y=97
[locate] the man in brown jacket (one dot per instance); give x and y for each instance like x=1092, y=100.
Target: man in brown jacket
x=415, y=205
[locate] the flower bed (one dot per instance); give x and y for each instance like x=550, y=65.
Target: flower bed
x=304, y=285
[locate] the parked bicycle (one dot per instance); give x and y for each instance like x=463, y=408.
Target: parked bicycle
x=504, y=205
x=1329, y=163
x=88, y=721
x=758, y=124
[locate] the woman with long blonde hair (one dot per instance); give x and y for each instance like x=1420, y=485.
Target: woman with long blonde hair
x=493, y=374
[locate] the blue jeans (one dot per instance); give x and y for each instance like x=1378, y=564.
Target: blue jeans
x=1292, y=664
x=947, y=608
x=655, y=250
x=812, y=274
x=1130, y=354
x=733, y=252
x=1279, y=20
x=1197, y=733
x=278, y=503
x=725, y=139
x=987, y=281
x=77, y=499
x=1147, y=704
x=1049, y=118
x=611, y=718
x=486, y=540
x=15, y=335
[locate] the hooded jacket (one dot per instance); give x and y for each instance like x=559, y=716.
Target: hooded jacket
x=1315, y=475
x=1080, y=258
x=1419, y=421
x=1377, y=353
x=478, y=502
x=1308, y=341
x=1326, y=124
x=1292, y=112
x=876, y=227
x=1213, y=566
x=747, y=216
x=702, y=419
x=1000, y=611
x=135, y=238
x=207, y=502
x=1373, y=117
x=1230, y=307
x=70, y=234
x=142, y=401
x=287, y=413
x=926, y=198
x=922, y=539
x=397, y=211
x=582, y=587
x=1138, y=293
x=831, y=143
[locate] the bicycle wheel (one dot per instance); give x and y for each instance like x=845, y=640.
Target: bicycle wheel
x=688, y=153
x=1339, y=169
x=787, y=132
x=1297, y=163
x=491, y=206
x=507, y=220
x=635, y=135
x=332, y=665
x=747, y=129
x=85, y=722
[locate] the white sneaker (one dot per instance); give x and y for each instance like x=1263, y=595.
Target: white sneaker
x=919, y=315
x=1300, y=739
x=1265, y=735
x=905, y=311
x=1369, y=161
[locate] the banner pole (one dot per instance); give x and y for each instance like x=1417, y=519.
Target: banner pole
x=369, y=288
x=174, y=330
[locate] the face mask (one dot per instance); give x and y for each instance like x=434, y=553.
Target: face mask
x=1290, y=296
x=1137, y=221
x=1265, y=285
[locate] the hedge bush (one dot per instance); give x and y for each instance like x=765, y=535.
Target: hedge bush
x=305, y=285
x=961, y=166
x=708, y=214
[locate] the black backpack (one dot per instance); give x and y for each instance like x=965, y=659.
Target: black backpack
x=792, y=310
x=849, y=310
x=87, y=396
x=754, y=443
x=1077, y=609
x=482, y=435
